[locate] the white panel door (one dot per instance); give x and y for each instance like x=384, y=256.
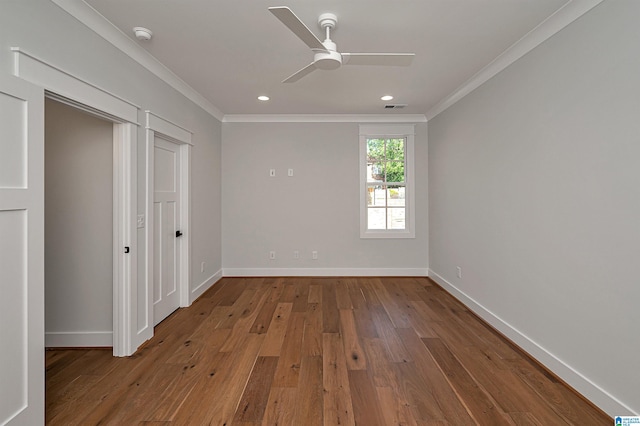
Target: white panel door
x=166, y=232
x=21, y=252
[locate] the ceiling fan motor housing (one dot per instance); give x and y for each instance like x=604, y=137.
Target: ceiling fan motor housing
x=329, y=59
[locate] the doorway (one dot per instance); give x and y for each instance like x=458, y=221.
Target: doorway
x=168, y=188
x=79, y=233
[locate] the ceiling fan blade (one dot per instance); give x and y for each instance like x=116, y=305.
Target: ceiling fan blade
x=385, y=59
x=287, y=17
x=298, y=75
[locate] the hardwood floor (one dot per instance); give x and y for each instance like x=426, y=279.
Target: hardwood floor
x=314, y=351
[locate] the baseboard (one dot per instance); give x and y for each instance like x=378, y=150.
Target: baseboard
x=78, y=339
x=325, y=272
x=204, y=286
x=591, y=391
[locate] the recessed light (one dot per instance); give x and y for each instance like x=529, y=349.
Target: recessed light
x=263, y=98
x=386, y=98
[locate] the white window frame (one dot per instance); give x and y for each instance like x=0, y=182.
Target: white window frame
x=388, y=131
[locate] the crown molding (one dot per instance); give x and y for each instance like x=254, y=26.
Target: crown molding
x=546, y=29
x=324, y=118
x=101, y=26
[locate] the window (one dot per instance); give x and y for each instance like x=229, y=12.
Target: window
x=386, y=181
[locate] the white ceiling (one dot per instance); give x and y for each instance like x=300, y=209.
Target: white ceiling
x=231, y=51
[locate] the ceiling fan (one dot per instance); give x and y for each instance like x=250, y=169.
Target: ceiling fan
x=326, y=56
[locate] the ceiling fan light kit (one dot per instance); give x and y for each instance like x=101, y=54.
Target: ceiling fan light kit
x=326, y=55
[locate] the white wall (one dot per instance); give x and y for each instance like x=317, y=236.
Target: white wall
x=78, y=227
x=316, y=209
x=42, y=29
x=533, y=186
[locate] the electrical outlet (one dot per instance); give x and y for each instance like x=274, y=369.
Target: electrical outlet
x=459, y=272
x=290, y=172
x=140, y=221
x=202, y=266
x=296, y=254
x=314, y=255
x=272, y=255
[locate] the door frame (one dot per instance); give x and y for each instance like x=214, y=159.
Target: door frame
x=64, y=87
x=158, y=126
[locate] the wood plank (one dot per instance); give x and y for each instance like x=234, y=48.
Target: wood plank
x=387, y=332
x=364, y=323
x=343, y=300
x=354, y=354
x=288, y=370
x=330, y=312
x=263, y=319
x=308, y=410
x=315, y=293
x=275, y=335
x=393, y=302
x=366, y=288
x=412, y=386
x=256, y=394
x=289, y=293
x=280, y=408
x=366, y=406
x=300, y=296
x=480, y=405
x=230, y=291
x=380, y=366
x=421, y=318
x=221, y=409
x=337, y=405
x=312, y=339
x=446, y=397
x=204, y=339
x=243, y=323
x=527, y=419
x=394, y=410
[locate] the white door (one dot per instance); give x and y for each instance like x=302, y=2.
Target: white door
x=21, y=252
x=166, y=232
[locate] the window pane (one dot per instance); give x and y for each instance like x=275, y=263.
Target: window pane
x=395, y=171
x=395, y=149
x=396, y=196
x=376, y=196
x=375, y=172
x=376, y=218
x=395, y=218
x=375, y=149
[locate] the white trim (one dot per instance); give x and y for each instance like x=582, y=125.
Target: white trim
x=78, y=339
x=388, y=131
x=325, y=272
x=546, y=29
x=101, y=26
x=205, y=285
x=324, y=118
x=168, y=128
x=578, y=381
x=65, y=84
x=185, y=219
x=126, y=335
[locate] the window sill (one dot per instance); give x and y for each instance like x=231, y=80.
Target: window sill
x=387, y=234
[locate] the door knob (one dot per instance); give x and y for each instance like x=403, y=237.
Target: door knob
x=178, y=234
